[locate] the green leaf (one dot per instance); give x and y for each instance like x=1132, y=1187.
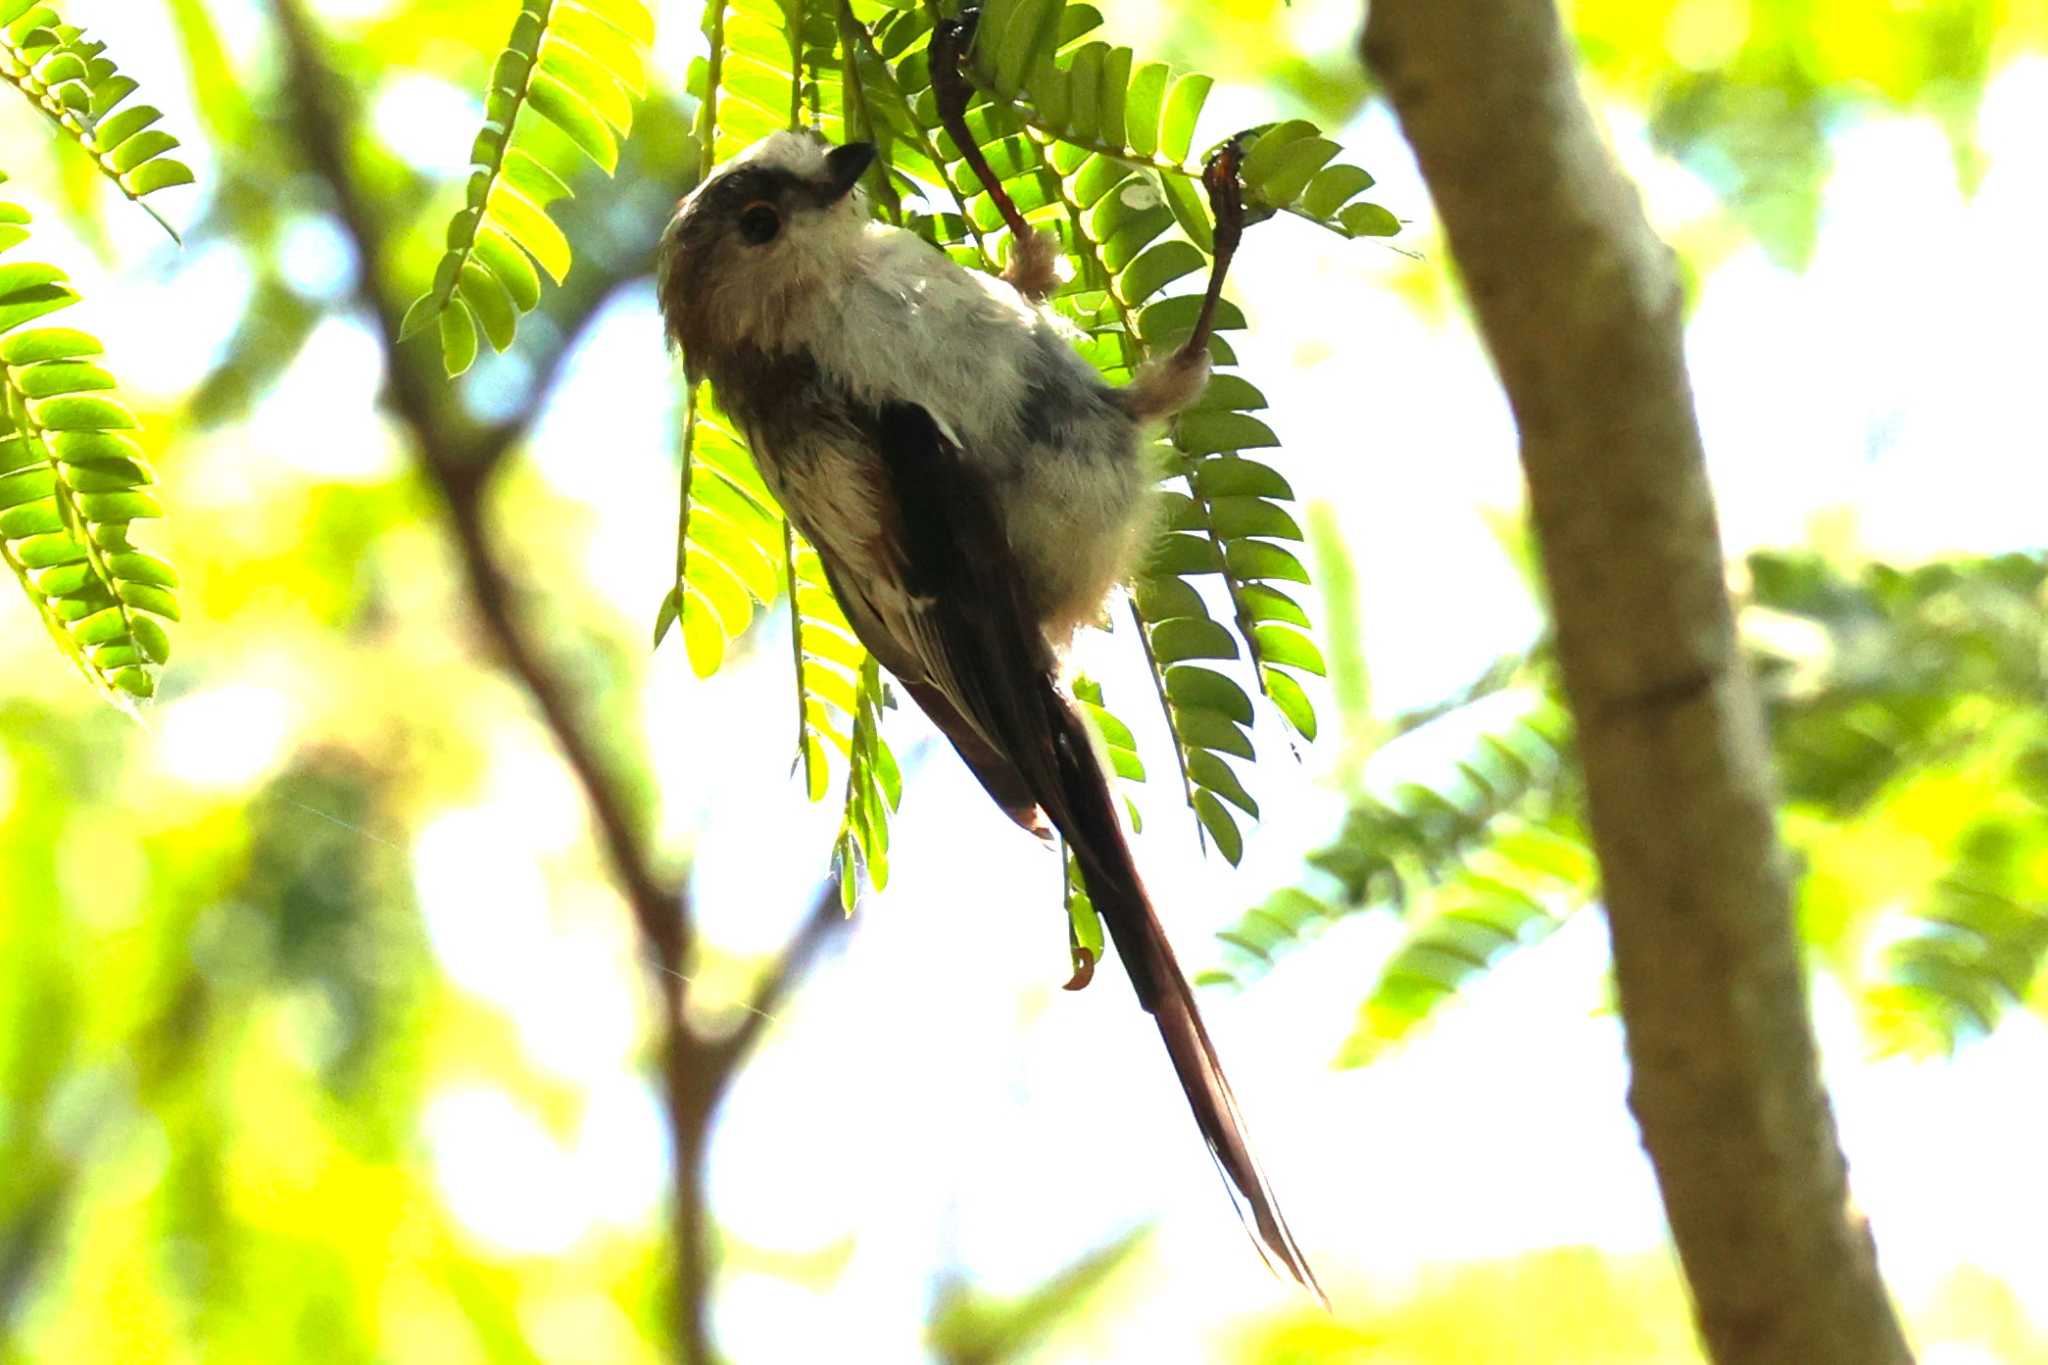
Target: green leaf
x=47, y=343
x=533, y=181
x=138, y=567
x=1368, y=220
x=1167, y=323
x=1282, y=645
x=1332, y=188
x=604, y=42
x=1192, y=638
x=1207, y=729
x=152, y=639
x=116, y=129
x=418, y=316
x=108, y=508
x=1290, y=171
x=1097, y=176
x=491, y=303
x=149, y=598
x=1213, y=774
x=93, y=448
x=1204, y=431
x=109, y=92
x=48, y=551
x=1116, y=81
x=134, y=681
x=703, y=642
x=61, y=376
x=26, y=486
x=1190, y=685
x=1267, y=149
x=1144, y=106
x=33, y=301
x=1262, y=603
x=20, y=276
x=1189, y=211
x=1085, y=118
x=1222, y=827
x=33, y=519
x=630, y=17
x=592, y=84
x=1029, y=32
x=1160, y=596
x=1226, y=476
x=510, y=266
x=1236, y=517
x=458, y=338
x=109, y=478
x=569, y=111
x=138, y=149
x=1249, y=559
x=1183, y=107
x=1183, y=554
x=527, y=224
x=84, y=412
x=1156, y=267
x=1077, y=22
x=1292, y=701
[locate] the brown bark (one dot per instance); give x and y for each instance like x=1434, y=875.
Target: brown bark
x=1581, y=309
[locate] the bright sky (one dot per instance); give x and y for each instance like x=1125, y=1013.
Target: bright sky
x=931, y=1093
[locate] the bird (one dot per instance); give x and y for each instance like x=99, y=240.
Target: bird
x=974, y=490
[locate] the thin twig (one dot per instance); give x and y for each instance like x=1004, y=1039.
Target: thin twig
x=825, y=920
x=459, y=461
x=459, y=458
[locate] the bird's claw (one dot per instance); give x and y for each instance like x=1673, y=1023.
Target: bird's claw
x=1221, y=176
x=1084, y=970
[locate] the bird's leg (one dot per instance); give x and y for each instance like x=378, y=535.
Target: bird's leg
x=1032, y=254
x=1164, y=387
x=1226, y=202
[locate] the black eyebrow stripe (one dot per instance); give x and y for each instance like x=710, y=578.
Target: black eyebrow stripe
x=764, y=182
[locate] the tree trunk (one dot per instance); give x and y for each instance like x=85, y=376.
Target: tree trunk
x=1581, y=308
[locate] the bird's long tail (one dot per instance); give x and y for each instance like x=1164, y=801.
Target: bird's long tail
x=1086, y=813
x=974, y=647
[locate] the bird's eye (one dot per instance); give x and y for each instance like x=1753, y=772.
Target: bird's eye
x=759, y=222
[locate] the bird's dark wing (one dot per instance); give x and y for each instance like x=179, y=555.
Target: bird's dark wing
x=961, y=612
x=883, y=623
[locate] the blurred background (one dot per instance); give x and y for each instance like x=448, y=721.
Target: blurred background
x=325, y=1029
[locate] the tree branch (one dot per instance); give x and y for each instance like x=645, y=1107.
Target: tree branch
x=791, y=965
x=459, y=460
x=458, y=457
x=1581, y=309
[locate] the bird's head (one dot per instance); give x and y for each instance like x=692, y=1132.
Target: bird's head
x=777, y=222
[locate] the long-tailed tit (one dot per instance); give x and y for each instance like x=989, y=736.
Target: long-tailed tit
x=973, y=489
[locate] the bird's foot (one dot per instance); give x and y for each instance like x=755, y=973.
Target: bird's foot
x=1222, y=178
x=1084, y=970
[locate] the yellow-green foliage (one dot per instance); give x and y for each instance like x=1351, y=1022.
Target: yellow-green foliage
x=72, y=481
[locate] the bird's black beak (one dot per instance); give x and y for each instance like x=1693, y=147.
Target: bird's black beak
x=844, y=167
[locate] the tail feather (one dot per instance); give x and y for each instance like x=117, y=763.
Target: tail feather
x=1086, y=813
x=972, y=648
